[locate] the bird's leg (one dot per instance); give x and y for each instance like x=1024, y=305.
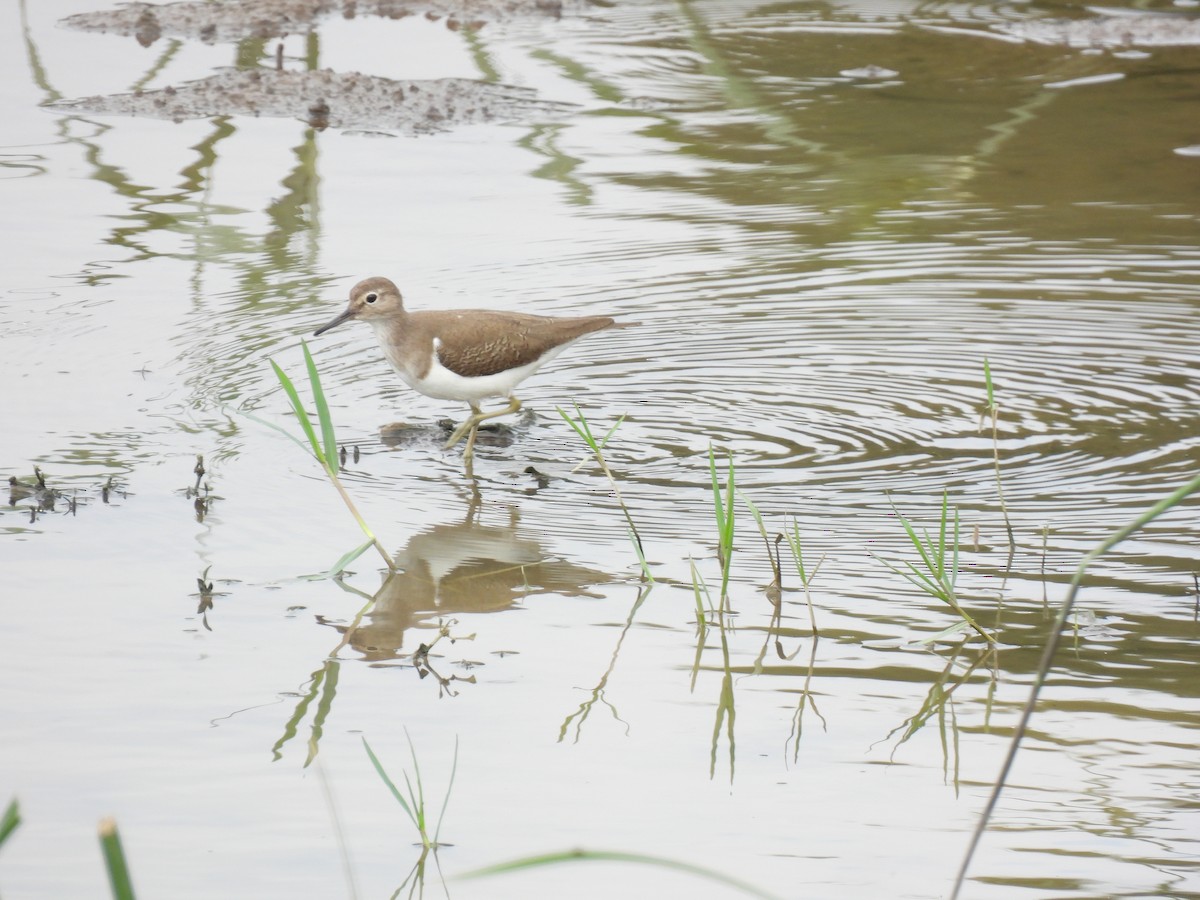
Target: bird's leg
x=461, y=431
x=469, y=450
x=477, y=417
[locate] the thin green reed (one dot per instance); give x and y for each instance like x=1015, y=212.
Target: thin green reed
x=806, y=576
x=723, y=513
x=581, y=856
x=10, y=820
x=414, y=804
x=326, y=451
x=992, y=410
x=583, y=428
x=114, y=861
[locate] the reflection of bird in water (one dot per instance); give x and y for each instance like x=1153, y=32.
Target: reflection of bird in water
x=464, y=568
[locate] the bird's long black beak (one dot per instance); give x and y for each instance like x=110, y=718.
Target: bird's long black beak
x=344, y=317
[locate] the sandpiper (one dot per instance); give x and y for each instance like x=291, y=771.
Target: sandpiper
x=463, y=354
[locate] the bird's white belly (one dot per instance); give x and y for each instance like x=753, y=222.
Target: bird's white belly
x=443, y=384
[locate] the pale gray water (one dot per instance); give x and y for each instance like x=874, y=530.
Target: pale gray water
x=820, y=261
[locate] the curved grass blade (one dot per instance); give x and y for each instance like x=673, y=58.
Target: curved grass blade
x=10, y=821
x=340, y=566
x=390, y=784
x=449, y=787
x=530, y=862
x=298, y=408
x=323, y=414
x=253, y=418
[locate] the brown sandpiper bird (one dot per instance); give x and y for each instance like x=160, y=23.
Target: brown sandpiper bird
x=463, y=354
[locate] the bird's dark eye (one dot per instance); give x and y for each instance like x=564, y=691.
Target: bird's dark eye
x=372, y=297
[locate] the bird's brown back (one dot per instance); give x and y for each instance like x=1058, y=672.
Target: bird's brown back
x=485, y=342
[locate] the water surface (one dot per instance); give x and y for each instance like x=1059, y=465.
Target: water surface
x=825, y=218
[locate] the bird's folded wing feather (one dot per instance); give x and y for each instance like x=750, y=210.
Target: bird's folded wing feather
x=512, y=340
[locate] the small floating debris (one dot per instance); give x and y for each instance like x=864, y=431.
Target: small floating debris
x=872, y=73
x=236, y=20
x=1192, y=150
x=324, y=98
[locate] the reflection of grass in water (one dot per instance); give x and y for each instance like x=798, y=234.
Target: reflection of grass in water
x=323, y=680
x=939, y=702
x=936, y=575
x=597, y=694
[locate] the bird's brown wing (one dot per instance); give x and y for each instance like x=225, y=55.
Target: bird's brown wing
x=485, y=343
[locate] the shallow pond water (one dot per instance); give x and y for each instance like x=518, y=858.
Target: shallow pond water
x=824, y=219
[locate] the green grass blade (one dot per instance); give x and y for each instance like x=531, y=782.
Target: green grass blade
x=954, y=556
x=697, y=582
x=916, y=541
x=987, y=378
x=571, y=856
x=762, y=527
x=298, y=408
x=390, y=784
x=10, y=820
x=322, y=405
x=253, y=418
x=450, y=787
x=574, y=425
x=612, y=430
x=581, y=427
x=915, y=576
x=718, y=502
x=729, y=495
x=797, y=551
x=350, y=557
x=418, y=804
x=114, y=861
x=640, y=553
x=419, y=795
x=941, y=546
x=933, y=586
x=587, y=427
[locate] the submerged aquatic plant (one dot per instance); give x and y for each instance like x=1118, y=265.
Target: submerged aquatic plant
x=326, y=452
